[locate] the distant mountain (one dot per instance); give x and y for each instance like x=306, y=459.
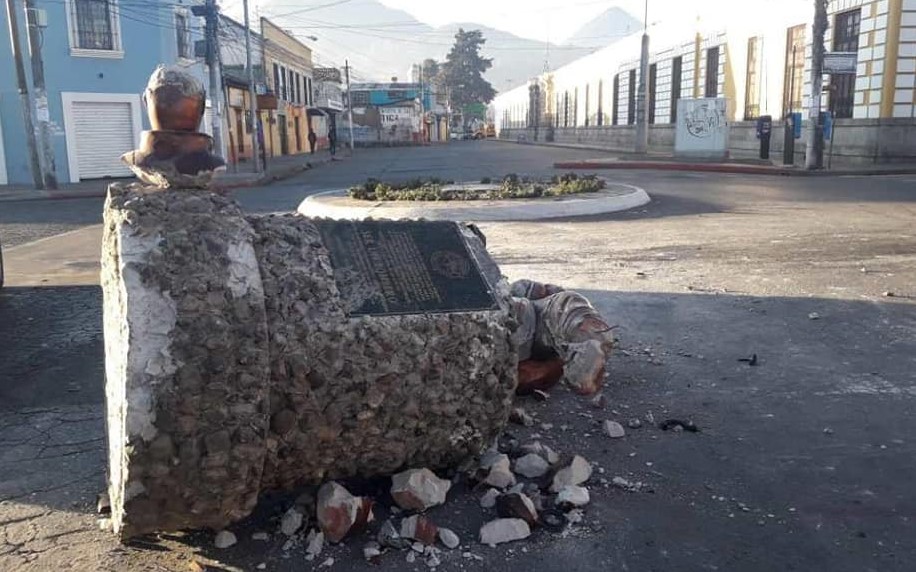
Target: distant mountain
x=604, y=29
x=382, y=42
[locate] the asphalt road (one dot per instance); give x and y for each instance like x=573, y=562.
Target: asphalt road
x=803, y=462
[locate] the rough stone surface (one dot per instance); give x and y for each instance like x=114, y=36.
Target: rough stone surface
x=499, y=473
x=541, y=450
x=339, y=512
x=314, y=543
x=420, y=528
x=576, y=473
x=531, y=466
x=418, y=489
x=233, y=367
x=614, y=430
x=291, y=522
x=488, y=500
x=516, y=505
x=448, y=538
x=504, y=530
x=572, y=496
x=389, y=537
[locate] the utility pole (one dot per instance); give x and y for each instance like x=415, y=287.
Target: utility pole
x=43, y=115
x=349, y=104
x=814, y=152
x=642, y=96
x=252, y=95
x=25, y=101
x=216, y=84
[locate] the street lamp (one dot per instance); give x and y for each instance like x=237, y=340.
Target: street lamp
x=642, y=96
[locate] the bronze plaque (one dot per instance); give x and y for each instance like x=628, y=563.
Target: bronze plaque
x=404, y=267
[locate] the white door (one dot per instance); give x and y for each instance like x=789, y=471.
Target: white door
x=104, y=131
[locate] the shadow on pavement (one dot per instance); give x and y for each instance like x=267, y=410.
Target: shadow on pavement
x=803, y=461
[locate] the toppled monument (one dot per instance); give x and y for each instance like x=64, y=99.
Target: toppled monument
x=248, y=353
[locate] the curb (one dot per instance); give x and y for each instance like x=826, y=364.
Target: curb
x=724, y=168
x=319, y=205
x=31, y=195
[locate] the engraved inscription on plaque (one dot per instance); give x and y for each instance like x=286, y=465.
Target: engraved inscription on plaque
x=404, y=267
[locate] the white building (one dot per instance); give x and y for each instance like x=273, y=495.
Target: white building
x=758, y=60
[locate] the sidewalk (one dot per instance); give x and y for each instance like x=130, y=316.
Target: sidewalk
x=278, y=168
x=666, y=162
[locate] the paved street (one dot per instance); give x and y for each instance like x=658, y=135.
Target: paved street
x=803, y=461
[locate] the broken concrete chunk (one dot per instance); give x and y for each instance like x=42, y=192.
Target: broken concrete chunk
x=448, y=538
x=291, y=522
x=339, y=511
x=516, y=505
x=572, y=496
x=314, y=544
x=418, y=489
x=543, y=451
x=578, y=471
x=504, y=530
x=372, y=550
x=614, y=430
x=531, y=466
x=389, y=537
x=521, y=417
x=420, y=528
x=500, y=474
x=224, y=539
x=488, y=500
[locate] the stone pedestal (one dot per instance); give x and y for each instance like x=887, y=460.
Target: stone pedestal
x=263, y=352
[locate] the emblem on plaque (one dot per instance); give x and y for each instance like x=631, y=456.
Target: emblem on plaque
x=449, y=264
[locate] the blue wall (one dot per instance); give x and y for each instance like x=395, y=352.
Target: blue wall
x=148, y=38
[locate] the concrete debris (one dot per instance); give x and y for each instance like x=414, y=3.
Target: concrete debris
x=575, y=516
x=432, y=556
x=314, y=544
x=814, y=316
x=418, y=547
x=521, y=417
x=103, y=504
x=448, y=538
x=420, y=528
x=614, y=430
x=516, y=505
x=411, y=557
x=578, y=472
x=599, y=401
x=622, y=483
x=572, y=496
x=339, y=512
x=488, y=500
x=327, y=563
x=634, y=423
x=224, y=539
x=544, y=451
x=291, y=522
x=389, y=537
x=531, y=466
x=261, y=536
x=504, y=530
x=500, y=474
x=372, y=550
x=418, y=489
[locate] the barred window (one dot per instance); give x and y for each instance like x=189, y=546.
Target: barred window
x=94, y=26
x=183, y=34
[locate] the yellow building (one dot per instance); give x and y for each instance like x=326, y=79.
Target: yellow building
x=288, y=74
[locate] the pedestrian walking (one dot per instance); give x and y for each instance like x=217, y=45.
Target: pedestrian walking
x=332, y=141
x=313, y=139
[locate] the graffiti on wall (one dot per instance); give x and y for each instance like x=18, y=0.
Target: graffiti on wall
x=702, y=127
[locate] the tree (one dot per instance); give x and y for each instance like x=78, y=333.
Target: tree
x=462, y=71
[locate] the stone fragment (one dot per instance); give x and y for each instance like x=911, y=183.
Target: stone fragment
x=500, y=474
x=448, y=538
x=432, y=557
x=576, y=473
x=599, y=401
x=575, y=516
x=572, y=496
x=389, y=537
x=102, y=504
x=420, y=528
x=634, y=423
x=521, y=417
x=224, y=539
x=327, y=563
x=531, y=466
x=544, y=451
x=314, y=544
x=504, y=530
x=488, y=500
x=418, y=489
x=262, y=536
x=516, y=505
x=411, y=557
x=372, y=550
x=614, y=430
x=291, y=522
x=339, y=512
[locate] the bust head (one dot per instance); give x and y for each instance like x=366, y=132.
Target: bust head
x=174, y=100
